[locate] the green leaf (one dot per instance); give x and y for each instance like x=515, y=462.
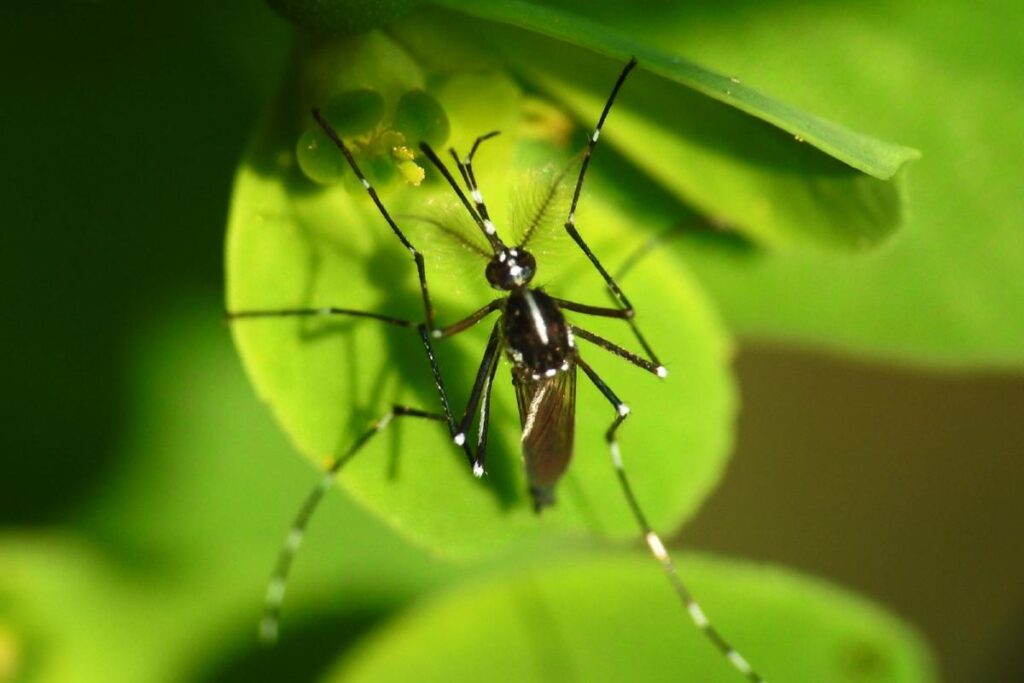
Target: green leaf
x=56, y=597
x=949, y=290
x=169, y=570
x=871, y=156
x=616, y=619
x=801, y=181
x=325, y=381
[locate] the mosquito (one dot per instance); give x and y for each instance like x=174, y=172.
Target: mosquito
x=532, y=332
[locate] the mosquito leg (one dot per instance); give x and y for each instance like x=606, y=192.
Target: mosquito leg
x=279, y=579
x=598, y=311
x=587, y=309
x=469, y=321
x=435, y=371
x=482, y=374
x=421, y=329
x=416, y=255
x=458, y=434
x=485, y=416
x=570, y=223
x=654, y=542
x=424, y=330
x=327, y=311
x=625, y=354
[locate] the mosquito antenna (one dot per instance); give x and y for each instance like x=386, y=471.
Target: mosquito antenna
x=476, y=144
x=466, y=169
x=545, y=205
x=490, y=232
x=462, y=171
x=447, y=230
x=472, y=153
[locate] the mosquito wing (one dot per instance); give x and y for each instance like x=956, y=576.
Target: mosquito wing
x=547, y=414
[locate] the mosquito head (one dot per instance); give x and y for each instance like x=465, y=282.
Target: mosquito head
x=511, y=269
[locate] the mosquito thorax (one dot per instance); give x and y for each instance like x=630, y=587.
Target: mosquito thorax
x=510, y=269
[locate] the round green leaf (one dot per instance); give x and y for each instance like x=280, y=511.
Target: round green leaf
x=617, y=619
x=326, y=380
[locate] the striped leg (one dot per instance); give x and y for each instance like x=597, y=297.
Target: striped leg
x=325, y=311
x=481, y=385
x=279, y=580
x=417, y=257
x=654, y=542
x=570, y=223
x=642, y=363
x=421, y=329
x=485, y=417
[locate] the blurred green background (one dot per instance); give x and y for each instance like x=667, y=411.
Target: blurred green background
x=121, y=128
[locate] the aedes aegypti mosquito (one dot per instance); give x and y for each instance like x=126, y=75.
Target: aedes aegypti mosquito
x=532, y=331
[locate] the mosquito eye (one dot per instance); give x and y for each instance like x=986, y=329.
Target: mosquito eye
x=527, y=262
x=497, y=275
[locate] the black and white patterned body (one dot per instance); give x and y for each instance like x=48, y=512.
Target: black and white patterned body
x=539, y=343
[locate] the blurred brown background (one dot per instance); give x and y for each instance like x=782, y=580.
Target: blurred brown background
x=902, y=485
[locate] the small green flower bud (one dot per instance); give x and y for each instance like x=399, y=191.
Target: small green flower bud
x=318, y=158
x=421, y=119
x=354, y=112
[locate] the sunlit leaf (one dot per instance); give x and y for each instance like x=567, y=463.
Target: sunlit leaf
x=289, y=246
x=164, y=578
x=616, y=619
x=801, y=181
x=948, y=290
